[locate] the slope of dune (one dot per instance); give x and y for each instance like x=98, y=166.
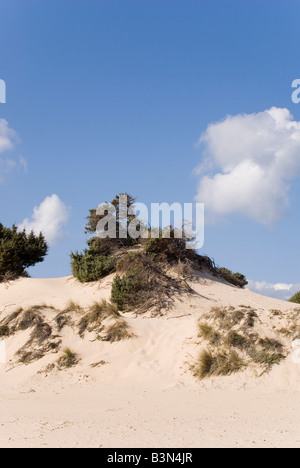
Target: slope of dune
x=141, y=391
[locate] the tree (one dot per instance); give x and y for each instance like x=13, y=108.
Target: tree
x=98, y=259
x=295, y=298
x=93, y=218
x=19, y=250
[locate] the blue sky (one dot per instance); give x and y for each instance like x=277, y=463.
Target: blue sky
x=113, y=95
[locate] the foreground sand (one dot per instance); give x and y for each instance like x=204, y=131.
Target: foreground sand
x=143, y=394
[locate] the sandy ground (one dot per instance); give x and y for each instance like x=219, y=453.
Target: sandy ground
x=143, y=394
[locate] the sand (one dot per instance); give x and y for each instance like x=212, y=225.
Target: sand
x=142, y=392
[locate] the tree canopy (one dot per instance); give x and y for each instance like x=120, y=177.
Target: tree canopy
x=19, y=250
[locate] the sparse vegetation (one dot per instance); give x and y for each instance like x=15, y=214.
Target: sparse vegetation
x=208, y=333
x=204, y=364
x=73, y=307
x=68, y=359
x=134, y=288
x=118, y=331
x=219, y=363
x=4, y=331
x=29, y=318
x=233, y=344
x=93, y=319
x=267, y=359
x=236, y=340
x=101, y=318
x=141, y=284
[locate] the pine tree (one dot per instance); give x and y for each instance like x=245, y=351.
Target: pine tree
x=19, y=250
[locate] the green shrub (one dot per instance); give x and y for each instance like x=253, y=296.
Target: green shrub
x=295, y=298
x=124, y=292
x=18, y=251
x=87, y=267
x=171, y=250
x=237, y=279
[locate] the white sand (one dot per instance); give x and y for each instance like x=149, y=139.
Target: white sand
x=145, y=394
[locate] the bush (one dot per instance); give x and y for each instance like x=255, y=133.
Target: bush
x=296, y=298
x=237, y=279
x=124, y=290
x=87, y=267
x=18, y=251
x=171, y=250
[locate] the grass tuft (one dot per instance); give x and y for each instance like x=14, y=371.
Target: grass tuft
x=68, y=359
x=118, y=331
x=208, y=333
x=221, y=363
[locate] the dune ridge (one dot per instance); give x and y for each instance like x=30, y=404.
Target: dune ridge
x=141, y=391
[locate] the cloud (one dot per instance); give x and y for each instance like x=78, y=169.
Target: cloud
x=7, y=136
x=48, y=218
x=248, y=161
x=279, y=291
x=8, y=140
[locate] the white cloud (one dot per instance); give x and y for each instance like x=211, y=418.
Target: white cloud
x=7, y=136
x=8, y=140
x=253, y=156
x=48, y=218
x=279, y=290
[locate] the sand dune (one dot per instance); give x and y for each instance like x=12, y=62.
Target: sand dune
x=141, y=392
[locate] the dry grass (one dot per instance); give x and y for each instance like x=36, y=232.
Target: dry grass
x=143, y=284
x=267, y=359
x=204, y=364
x=4, y=331
x=208, y=333
x=220, y=363
x=68, y=359
x=30, y=318
x=62, y=320
x=118, y=331
x=93, y=319
x=41, y=340
x=73, y=307
x=235, y=342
